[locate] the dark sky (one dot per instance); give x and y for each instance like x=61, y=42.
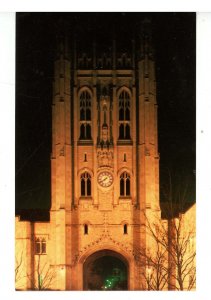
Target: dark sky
x=174, y=38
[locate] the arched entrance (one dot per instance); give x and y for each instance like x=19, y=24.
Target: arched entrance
x=105, y=270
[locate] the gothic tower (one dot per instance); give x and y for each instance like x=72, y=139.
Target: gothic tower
x=104, y=161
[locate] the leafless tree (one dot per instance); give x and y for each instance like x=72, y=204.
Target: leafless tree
x=175, y=255
x=18, y=265
x=174, y=239
x=43, y=276
x=19, y=270
x=156, y=271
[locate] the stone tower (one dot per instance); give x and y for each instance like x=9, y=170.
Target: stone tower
x=104, y=161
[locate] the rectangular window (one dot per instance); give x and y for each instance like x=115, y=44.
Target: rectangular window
x=40, y=246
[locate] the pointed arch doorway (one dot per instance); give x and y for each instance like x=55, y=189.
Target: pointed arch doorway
x=105, y=270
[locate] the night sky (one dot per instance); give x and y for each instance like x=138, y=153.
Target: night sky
x=174, y=38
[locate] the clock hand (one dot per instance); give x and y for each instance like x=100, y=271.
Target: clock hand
x=104, y=179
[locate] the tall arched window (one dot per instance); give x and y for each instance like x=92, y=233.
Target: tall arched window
x=85, y=185
x=85, y=116
x=124, y=116
x=124, y=184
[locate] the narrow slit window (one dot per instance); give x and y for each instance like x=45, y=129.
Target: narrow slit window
x=85, y=229
x=125, y=228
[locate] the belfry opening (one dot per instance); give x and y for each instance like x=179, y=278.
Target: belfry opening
x=105, y=270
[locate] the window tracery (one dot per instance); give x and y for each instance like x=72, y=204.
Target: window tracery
x=85, y=116
x=124, y=116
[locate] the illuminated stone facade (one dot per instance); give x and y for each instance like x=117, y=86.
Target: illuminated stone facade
x=104, y=169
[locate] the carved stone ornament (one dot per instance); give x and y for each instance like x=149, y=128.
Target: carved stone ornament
x=105, y=158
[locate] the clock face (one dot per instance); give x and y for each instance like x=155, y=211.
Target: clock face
x=105, y=179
